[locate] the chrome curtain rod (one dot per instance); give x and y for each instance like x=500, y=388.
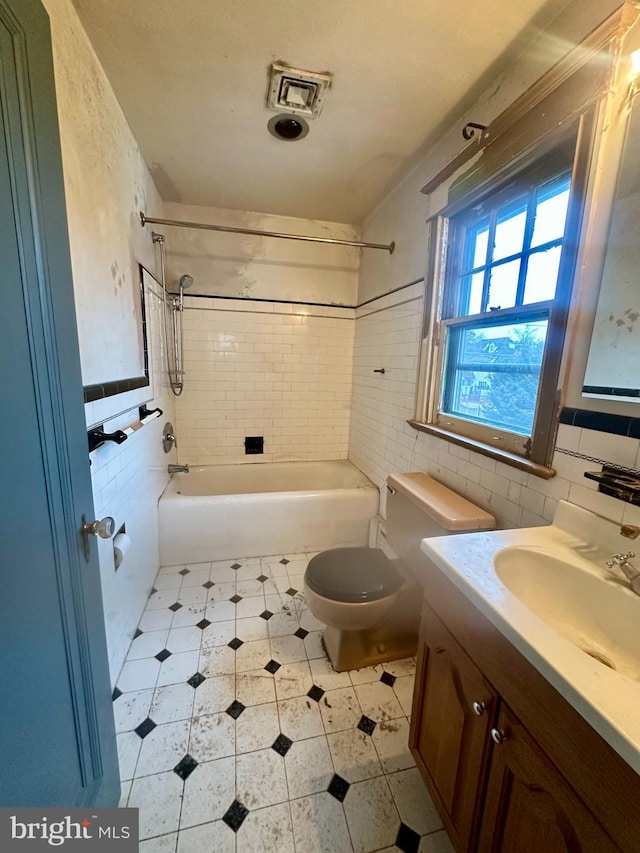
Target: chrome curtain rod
x=232, y=230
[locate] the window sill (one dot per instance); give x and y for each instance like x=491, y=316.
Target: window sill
x=512, y=459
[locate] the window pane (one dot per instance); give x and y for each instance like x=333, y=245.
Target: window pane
x=471, y=295
x=503, y=285
x=510, y=230
x=542, y=275
x=551, y=214
x=480, y=247
x=492, y=374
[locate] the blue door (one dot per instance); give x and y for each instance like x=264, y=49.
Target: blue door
x=57, y=741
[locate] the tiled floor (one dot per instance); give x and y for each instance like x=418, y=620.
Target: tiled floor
x=235, y=734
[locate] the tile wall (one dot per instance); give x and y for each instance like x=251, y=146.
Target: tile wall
x=387, y=335
x=264, y=368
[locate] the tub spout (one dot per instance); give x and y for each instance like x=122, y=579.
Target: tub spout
x=178, y=469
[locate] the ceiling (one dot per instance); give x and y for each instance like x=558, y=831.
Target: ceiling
x=191, y=78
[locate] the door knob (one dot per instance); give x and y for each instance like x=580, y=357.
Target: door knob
x=479, y=708
x=104, y=528
x=498, y=736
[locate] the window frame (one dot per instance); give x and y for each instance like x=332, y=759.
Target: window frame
x=444, y=244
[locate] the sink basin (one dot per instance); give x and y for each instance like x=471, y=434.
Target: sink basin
x=599, y=616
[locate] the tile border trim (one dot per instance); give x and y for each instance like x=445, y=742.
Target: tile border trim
x=601, y=421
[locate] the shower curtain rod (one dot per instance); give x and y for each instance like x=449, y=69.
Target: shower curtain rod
x=232, y=230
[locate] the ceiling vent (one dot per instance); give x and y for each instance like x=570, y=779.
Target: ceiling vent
x=296, y=91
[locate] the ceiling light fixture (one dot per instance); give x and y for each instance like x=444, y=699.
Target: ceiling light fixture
x=289, y=128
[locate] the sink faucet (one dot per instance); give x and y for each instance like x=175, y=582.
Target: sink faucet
x=631, y=573
x=178, y=469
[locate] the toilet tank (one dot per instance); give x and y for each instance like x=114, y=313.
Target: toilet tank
x=417, y=507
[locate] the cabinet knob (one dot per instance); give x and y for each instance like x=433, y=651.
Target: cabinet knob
x=498, y=736
x=479, y=708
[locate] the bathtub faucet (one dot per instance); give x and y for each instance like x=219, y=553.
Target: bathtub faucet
x=178, y=469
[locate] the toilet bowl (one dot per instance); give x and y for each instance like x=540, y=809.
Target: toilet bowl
x=371, y=602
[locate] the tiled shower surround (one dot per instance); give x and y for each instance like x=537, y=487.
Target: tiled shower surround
x=236, y=735
x=253, y=368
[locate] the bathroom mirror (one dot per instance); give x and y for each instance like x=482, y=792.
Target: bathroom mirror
x=613, y=366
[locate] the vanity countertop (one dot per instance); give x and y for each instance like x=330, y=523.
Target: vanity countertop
x=608, y=700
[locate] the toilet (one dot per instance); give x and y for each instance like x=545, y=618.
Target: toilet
x=370, y=598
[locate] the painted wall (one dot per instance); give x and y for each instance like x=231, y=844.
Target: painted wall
x=106, y=182
x=258, y=267
x=388, y=332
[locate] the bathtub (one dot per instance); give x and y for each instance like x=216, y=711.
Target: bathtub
x=226, y=511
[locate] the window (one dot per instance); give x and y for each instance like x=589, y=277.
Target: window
x=502, y=309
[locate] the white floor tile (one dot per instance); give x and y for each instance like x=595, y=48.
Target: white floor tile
x=378, y=701
x=189, y=614
x=168, y=581
x=354, y=755
x=161, y=600
x=222, y=591
x=148, y=645
x=161, y=844
x=248, y=588
x=257, y=727
x=300, y=718
x=319, y=825
x=171, y=703
x=340, y=709
x=252, y=655
x=156, y=620
x=283, y=624
x=400, y=668
x=220, y=611
x=267, y=831
x=128, y=744
x=222, y=573
x=217, y=660
x=130, y=709
x=215, y=837
x=260, y=779
x=325, y=676
x=208, y=792
x=171, y=570
x=252, y=628
x=139, y=675
x=214, y=695
x=212, y=736
x=313, y=646
x=413, y=802
x=438, y=842
x=178, y=668
x=125, y=788
x=372, y=817
x=403, y=688
x=163, y=748
x=273, y=568
x=391, y=740
x=366, y=674
x=193, y=595
x=218, y=633
x=248, y=607
x=288, y=649
x=309, y=622
x=158, y=798
x=255, y=687
x=195, y=578
x=279, y=601
x=293, y=679
x=309, y=767
x=184, y=639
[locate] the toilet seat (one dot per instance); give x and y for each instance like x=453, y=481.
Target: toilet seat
x=352, y=575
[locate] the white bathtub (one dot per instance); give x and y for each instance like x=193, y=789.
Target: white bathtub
x=223, y=511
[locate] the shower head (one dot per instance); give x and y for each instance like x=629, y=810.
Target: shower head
x=185, y=281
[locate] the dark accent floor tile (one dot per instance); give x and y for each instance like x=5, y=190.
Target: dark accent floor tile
x=235, y=815
x=208, y=584
x=284, y=561
x=388, y=679
x=282, y=744
x=236, y=566
x=153, y=589
x=175, y=607
x=316, y=693
x=117, y=693
x=367, y=725
x=196, y=680
x=408, y=840
x=235, y=709
x=291, y=591
x=273, y=666
x=262, y=578
x=338, y=787
x=235, y=644
x=300, y=633
x=185, y=767
x=145, y=727
x=137, y=634
x=184, y=572
x=266, y=615
x=235, y=598
x=202, y=624
x=163, y=655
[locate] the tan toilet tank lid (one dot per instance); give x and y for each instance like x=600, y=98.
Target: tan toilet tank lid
x=449, y=509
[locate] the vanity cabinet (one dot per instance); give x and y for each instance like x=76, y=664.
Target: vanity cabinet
x=508, y=762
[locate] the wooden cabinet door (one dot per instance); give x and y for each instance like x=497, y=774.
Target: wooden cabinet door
x=530, y=808
x=449, y=740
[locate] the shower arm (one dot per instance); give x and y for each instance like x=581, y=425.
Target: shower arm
x=257, y=233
